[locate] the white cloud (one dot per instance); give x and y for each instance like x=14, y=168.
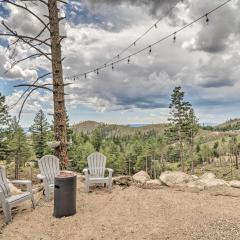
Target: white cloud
x=204, y=59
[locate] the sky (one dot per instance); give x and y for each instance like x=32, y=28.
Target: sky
x=204, y=60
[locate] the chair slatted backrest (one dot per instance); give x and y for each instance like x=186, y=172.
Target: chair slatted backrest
x=96, y=164
x=49, y=167
x=4, y=186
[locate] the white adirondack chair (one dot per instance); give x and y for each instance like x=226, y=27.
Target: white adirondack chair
x=94, y=174
x=49, y=168
x=8, y=201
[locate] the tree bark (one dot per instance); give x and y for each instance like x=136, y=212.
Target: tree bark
x=60, y=129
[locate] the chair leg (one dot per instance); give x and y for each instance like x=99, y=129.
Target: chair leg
x=47, y=194
x=7, y=214
x=110, y=186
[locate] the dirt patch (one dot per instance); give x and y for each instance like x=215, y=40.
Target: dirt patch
x=132, y=213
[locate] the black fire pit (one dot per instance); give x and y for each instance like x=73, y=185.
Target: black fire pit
x=65, y=194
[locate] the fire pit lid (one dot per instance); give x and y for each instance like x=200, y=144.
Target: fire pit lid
x=66, y=174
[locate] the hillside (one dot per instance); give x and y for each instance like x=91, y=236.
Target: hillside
x=114, y=129
x=232, y=124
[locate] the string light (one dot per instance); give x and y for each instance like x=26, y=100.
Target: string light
x=150, y=50
x=207, y=19
x=206, y=16
x=128, y=60
x=155, y=26
x=174, y=37
x=145, y=33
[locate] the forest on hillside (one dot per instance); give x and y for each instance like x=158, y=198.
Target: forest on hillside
x=180, y=144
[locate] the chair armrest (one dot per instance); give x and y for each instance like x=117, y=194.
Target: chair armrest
x=41, y=177
x=110, y=172
x=25, y=182
x=28, y=183
x=85, y=171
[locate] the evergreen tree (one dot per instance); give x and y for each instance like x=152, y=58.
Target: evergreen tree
x=179, y=110
x=20, y=149
x=96, y=139
x=39, y=131
x=4, y=122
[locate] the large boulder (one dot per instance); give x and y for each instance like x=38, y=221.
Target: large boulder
x=235, y=184
x=122, y=180
x=141, y=177
x=195, y=185
x=175, y=179
x=153, y=184
x=207, y=175
x=209, y=180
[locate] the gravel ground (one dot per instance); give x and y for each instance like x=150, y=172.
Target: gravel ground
x=133, y=213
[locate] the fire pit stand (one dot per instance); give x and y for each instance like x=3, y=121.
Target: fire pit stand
x=65, y=194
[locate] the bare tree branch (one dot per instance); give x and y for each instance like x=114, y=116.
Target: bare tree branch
x=26, y=9
x=23, y=59
x=39, y=78
x=25, y=41
x=44, y=86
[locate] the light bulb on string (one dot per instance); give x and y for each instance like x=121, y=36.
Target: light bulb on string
x=97, y=71
x=134, y=44
x=174, y=37
x=156, y=26
x=85, y=75
x=207, y=19
x=150, y=50
x=128, y=59
x=112, y=67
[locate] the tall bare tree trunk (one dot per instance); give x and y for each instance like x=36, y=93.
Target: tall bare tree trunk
x=60, y=129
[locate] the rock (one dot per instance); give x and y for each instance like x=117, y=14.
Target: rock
x=235, y=184
x=174, y=179
x=152, y=184
x=141, y=177
x=207, y=175
x=123, y=180
x=194, y=177
x=195, y=185
x=211, y=182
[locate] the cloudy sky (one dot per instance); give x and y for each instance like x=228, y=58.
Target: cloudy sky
x=204, y=60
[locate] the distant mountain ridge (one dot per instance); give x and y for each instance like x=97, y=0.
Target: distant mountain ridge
x=231, y=124
x=89, y=126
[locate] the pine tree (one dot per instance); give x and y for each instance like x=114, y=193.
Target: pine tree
x=39, y=132
x=96, y=139
x=20, y=150
x=4, y=122
x=178, y=120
